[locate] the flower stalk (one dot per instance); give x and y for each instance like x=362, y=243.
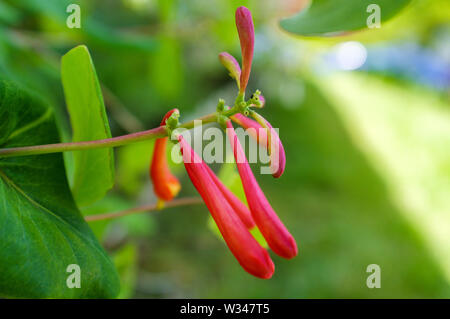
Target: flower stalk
x=66, y=147
x=151, y=134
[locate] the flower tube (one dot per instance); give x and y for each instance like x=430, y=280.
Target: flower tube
x=249, y=253
x=239, y=207
x=277, y=236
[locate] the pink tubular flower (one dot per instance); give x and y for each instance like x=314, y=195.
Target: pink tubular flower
x=230, y=63
x=246, y=31
x=165, y=185
x=277, y=236
x=249, y=253
x=278, y=163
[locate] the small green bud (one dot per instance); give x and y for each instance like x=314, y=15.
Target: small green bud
x=172, y=121
x=221, y=105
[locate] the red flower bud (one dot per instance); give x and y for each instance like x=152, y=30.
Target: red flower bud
x=165, y=185
x=239, y=207
x=246, y=31
x=249, y=253
x=277, y=236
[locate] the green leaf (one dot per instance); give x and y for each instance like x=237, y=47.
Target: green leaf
x=324, y=17
x=94, y=169
x=41, y=230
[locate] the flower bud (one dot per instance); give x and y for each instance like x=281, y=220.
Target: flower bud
x=165, y=185
x=230, y=63
x=246, y=31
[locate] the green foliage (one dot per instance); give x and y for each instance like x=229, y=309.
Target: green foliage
x=91, y=30
x=8, y=14
x=393, y=119
x=166, y=69
x=133, y=166
x=42, y=231
x=94, y=169
x=337, y=16
x=126, y=262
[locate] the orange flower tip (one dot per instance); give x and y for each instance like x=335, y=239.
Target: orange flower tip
x=174, y=187
x=166, y=190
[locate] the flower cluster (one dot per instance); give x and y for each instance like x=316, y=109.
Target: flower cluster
x=233, y=218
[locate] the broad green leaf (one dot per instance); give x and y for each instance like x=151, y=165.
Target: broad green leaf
x=331, y=17
x=41, y=230
x=94, y=169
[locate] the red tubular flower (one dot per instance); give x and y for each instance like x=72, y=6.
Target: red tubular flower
x=246, y=31
x=239, y=207
x=165, y=185
x=230, y=63
x=278, y=163
x=249, y=253
x=277, y=236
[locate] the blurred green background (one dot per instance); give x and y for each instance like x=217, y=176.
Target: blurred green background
x=364, y=118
